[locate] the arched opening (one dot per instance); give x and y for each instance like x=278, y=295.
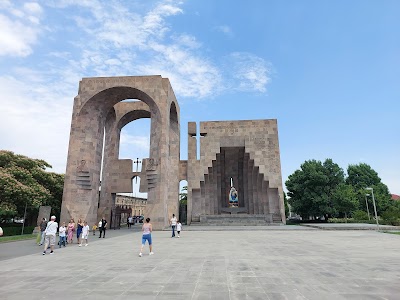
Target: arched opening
x=183, y=185
x=91, y=118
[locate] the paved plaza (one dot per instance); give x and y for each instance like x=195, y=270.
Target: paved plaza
x=252, y=264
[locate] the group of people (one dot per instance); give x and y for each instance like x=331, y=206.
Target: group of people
x=48, y=231
x=131, y=220
x=66, y=233
x=147, y=229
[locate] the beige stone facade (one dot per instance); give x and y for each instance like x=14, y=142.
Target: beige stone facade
x=96, y=116
x=138, y=205
x=245, y=152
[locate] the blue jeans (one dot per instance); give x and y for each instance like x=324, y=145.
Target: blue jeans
x=146, y=237
x=173, y=230
x=42, y=236
x=62, y=241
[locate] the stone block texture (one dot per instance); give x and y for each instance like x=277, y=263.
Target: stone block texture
x=98, y=114
x=246, y=152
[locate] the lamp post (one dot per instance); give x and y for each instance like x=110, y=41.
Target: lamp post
x=366, y=203
x=373, y=201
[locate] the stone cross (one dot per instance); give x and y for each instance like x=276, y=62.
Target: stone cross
x=137, y=162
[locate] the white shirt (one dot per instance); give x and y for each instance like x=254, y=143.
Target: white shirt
x=179, y=227
x=173, y=221
x=51, y=228
x=85, y=230
x=61, y=231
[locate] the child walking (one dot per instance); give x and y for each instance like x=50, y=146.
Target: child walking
x=94, y=227
x=62, y=235
x=178, y=228
x=85, y=233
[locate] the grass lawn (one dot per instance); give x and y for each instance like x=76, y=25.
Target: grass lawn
x=393, y=232
x=13, y=238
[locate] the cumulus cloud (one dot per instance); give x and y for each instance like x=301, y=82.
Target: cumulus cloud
x=19, y=28
x=112, y=41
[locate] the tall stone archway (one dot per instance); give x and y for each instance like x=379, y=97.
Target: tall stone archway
x=94, y=111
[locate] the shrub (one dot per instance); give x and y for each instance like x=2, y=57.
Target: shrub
x=360, y=215
x=16, y=230
x=392, y=215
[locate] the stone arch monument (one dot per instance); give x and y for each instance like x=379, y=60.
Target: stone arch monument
x=239, y=156
x=99, y=114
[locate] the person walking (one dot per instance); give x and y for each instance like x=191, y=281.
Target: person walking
x=50, y=232
x=173, y=224
x=147, y=228
x=178, y=228
x=79, y=230
x=42, y=225
x=70, y=231
x=61, y=234
x=103, y=227
x=85, y=234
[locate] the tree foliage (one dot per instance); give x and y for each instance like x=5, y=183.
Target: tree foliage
x=183, y=196
x=344, y=199
x=362, y=176
x=285, y=201
x=310, y=188
x=25, y=181
x=321, y=188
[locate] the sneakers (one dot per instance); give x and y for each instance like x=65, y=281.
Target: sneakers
x=151, y=253
x=86, y=245
x=44, y=253
x=140, y=254
x=80, y=245
x=179, y=236
x=51, y=252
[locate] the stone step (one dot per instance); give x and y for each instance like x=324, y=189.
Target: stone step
x=235, y=219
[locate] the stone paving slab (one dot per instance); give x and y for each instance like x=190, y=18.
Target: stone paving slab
x=243, y=228
x=312, y=264
x=350, y=226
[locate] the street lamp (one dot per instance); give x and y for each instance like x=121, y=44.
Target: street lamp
x=366, y=203
x=373, y=201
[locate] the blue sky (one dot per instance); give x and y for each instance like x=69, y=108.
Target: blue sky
x=329, y=71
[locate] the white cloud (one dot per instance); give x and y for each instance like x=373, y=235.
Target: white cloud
x=33, y=123
x=17, y=36
x=251, y=72
x=225, y=29
x=33, y=8
x=112, y=41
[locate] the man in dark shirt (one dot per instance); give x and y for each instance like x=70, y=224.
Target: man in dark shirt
x=42, y=225
x=103, y=227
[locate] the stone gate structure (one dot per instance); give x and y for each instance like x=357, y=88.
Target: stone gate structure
x=242, y=153
x=245, y=153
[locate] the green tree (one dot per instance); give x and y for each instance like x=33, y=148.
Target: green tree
x=285, y=201
x=361, y=176
x=344, y=199
x=310, y=188
x=25, y=181
x=183, y=195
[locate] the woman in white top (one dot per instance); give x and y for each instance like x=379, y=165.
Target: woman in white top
x=85, y=233
x=147, y=228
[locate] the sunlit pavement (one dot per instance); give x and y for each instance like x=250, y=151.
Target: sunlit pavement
x=245, y=264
